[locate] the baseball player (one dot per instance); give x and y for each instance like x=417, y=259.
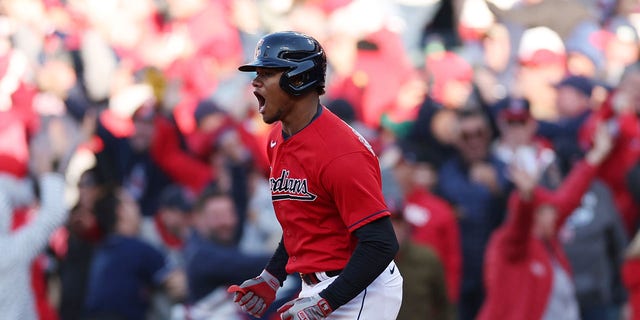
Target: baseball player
x=326, y=191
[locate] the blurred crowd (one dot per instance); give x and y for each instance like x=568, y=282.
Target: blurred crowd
x=133, y=171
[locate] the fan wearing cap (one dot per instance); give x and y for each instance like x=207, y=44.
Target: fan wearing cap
x=621, y=112
x=474, y=182
x=212, y=257
x=574, y=96
x=542, y=63
x=525, y=251
x=167, y=231
x=518, y=141
x=168, y=228
x=124, y=265
x=573, y=104
x=433, y=220
x=619, y=42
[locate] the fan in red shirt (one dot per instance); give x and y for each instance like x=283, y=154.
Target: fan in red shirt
x=631, y=276
x=432, y=218
x=18, y=119
x=621, y=111
x=527, y=275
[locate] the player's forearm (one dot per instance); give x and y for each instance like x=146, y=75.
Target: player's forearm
x=377, y=246
x=278, y=262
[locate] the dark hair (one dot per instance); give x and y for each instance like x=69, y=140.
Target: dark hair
x=470, y=113
x=175, y=196
x=96, y=177
x=466, y=113
x=212, y=191
x=343, y=109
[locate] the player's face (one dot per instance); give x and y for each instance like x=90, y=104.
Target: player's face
x=274, y=103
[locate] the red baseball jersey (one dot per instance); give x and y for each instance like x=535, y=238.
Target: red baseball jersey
x=325, y=183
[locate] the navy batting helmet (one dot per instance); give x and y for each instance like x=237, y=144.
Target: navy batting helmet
x=300, y=54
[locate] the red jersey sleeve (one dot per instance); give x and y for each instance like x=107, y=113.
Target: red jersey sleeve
x=631, y=280
x=516, y=231
x=354, y=181
x=568, y=196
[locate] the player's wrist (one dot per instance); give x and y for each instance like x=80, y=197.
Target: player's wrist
x=323, y=305
x=329, y=299
x=270, y=280
x=314, y=307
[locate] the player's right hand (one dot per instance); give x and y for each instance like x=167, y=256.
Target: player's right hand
x=307, y=308
x=256, y=295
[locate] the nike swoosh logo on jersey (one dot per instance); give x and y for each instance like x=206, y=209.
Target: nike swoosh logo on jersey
x=272, y=144
x=393, y=269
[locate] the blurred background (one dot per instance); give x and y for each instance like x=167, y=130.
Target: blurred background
x=141, y=107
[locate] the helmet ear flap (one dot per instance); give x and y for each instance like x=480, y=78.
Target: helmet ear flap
x=299, y=79
x=301, y=55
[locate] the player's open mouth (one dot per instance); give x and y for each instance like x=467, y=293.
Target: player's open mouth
x=261, y=101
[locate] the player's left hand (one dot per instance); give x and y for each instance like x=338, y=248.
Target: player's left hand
x=307, y=308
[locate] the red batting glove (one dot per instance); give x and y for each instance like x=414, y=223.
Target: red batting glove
x=256, y=295
x=308, y=308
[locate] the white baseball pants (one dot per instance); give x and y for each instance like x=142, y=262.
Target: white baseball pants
x=381, y=300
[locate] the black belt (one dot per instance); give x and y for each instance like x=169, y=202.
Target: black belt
x=311, y=278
